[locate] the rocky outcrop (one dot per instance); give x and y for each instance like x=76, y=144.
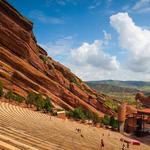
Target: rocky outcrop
x=26, y=67
x=143, y=99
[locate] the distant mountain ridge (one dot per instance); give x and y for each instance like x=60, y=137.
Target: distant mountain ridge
x=108, y=86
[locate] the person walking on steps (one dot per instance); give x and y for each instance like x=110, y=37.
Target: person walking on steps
x=102, y=143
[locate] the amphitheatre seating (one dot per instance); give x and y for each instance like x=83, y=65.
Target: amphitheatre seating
x=23, y=129
x=26, y=129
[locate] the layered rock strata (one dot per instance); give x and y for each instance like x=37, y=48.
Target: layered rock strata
x=26, y=67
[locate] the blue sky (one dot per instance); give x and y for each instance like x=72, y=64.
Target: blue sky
x=96, y=39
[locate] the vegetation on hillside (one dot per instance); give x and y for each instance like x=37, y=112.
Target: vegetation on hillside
x=82, y=114
x=13, y=96
x=110, y=103
x=38, y=101
x=48, y=105
x=73, y=80
x=44, y=58
x=111, y=121
x=33, y=99
x=44, y=104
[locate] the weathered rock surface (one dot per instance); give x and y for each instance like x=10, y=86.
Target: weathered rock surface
x=25, y=67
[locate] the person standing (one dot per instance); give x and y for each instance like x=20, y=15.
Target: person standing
x=123, y=146
x=102, y=143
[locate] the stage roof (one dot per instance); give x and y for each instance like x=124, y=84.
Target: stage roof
x=145, y=111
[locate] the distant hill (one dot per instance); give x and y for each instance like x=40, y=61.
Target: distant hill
x=108, y=88
x=115, y=86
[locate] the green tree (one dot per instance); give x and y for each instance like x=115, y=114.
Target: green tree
x=30, y=99
x=92, y=116
x=1, y=89
x=39, y=102
x=48, y=105
x=95, y=118
x=18, y=98
x=13, y=96
x=9, y=95
x=106, y=120
x=78, y=113
x=113, y=122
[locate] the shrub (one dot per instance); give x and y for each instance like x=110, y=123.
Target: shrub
x=44, y=58
x=106, y=120
x=30, y=98
x=80, y=113
x=73, y=80
x=69, y=113
x=92, y=116
x=77, y=113
x=109, y=103
x=12, y=96
x=48, y=105
x=113, y=122
x=9, y=95
x=1, y=89
x=39, y=102
x=18, y=98
x=36, y=100
x=95, y=118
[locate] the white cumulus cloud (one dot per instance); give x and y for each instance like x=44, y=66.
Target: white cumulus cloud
x=92, y=55
x=135, y=40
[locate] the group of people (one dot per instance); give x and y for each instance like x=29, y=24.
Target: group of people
x=102, y=142
x=78, y=130
x=123, y=147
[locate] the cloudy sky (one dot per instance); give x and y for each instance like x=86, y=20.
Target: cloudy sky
x=96, y=39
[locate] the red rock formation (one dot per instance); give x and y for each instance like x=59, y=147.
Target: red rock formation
x=143, y=99
x=25, y=67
